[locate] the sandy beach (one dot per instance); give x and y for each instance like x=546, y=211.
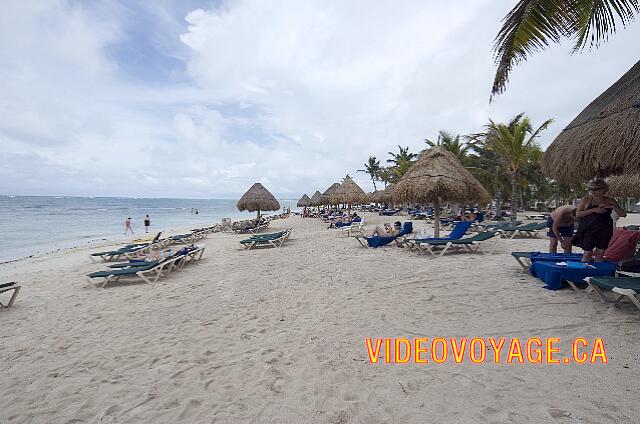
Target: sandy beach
x=278, y=336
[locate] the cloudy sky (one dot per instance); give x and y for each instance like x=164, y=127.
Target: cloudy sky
x=199, y=99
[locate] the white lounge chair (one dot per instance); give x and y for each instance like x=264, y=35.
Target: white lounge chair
x=6, y=287
x=355, y=227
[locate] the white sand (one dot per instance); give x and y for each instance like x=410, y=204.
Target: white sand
x=277, y=336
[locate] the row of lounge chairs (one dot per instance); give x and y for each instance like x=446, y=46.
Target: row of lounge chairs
x=456, y=239
x=266, y=240
x=135, y=250
x=148, y=271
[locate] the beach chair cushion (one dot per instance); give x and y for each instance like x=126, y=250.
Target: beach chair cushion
x=553, y=275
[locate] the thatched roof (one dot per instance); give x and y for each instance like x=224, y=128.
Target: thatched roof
x=304, y=201
x=382, y=196
x=604, y=139
x=627, y=185
x=316, y=199
x=327, y=196
x=438, y=176
x=349, y=192
x=258, y=198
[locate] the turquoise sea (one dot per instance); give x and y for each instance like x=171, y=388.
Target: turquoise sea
x=31, y=225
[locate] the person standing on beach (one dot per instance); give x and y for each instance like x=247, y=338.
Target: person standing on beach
x=127, y=226
x=147, y=223
x=560, y=225
x=596, y=226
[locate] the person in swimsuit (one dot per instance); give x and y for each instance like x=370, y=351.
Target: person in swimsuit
x=596, y=226
x=560, y=225
x=387, y=230
x=127, y=226
x=147, y=223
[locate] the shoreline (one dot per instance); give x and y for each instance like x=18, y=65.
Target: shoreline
x=111, y=241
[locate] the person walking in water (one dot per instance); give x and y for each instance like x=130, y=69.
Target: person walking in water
x=147, y=223
x=127, y=226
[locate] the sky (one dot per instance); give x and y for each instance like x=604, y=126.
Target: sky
x=200, y=99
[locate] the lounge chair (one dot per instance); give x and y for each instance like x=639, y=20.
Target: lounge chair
x=624, y=287
x=456, y=233
x=354, y=227
x=527, y=230
x=266, y=240
x=470, y=244
x=149, y=273
x=6, y=287
x=523, y=257
x=114, y=255
x=379, y=241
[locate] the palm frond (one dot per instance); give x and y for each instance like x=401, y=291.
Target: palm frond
x=596, y=19
x=529, y=27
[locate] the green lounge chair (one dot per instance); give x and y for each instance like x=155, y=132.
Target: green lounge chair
x=149, y=274
x=527, y=230
x=114, y=255
x=266, y=240
x=624, y=287
x=470, y=244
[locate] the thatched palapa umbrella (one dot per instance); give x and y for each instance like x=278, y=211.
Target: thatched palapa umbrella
x=604, y=139
x=627, y=185
x=258, y=199
x=383, y=196
x=349, y=193
x=316, y=199
x=438, y=177
x=304, y=201
x=327, y=196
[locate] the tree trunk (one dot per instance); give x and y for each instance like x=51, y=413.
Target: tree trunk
x=497, y=193
x=514, y=199
x=436, y=219
x=374, y=184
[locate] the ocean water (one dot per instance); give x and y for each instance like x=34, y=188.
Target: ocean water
x=31, y=225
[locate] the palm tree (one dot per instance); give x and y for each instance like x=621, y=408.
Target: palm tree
x=401, y=162
x=532, y=24
x=373, y=169
x=514, y=144
x=385, y=176
x=453, y=144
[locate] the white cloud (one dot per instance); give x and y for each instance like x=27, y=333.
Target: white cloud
x=292, y=94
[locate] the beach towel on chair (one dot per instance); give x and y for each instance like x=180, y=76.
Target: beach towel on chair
x=379, y=241
x=622, y=245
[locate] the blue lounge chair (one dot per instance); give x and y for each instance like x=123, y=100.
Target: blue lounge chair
x=521, y=257
x=457, y=233
x=379, y=241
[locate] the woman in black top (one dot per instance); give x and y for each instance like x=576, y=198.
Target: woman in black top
x=596, y=226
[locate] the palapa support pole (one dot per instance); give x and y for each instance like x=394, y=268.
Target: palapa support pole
x=436, y=217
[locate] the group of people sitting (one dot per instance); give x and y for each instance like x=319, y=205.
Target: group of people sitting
x=595, y=223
